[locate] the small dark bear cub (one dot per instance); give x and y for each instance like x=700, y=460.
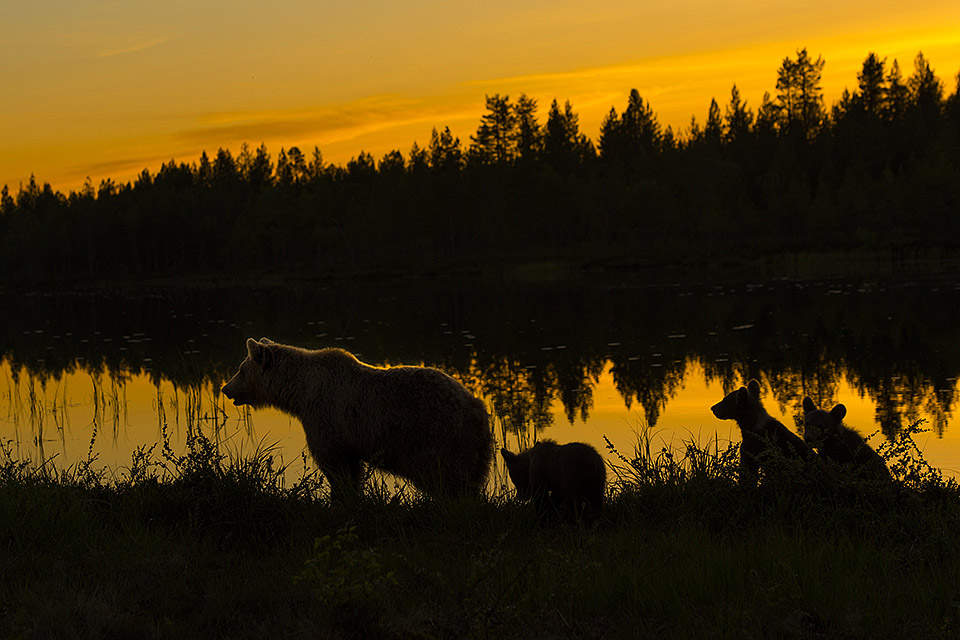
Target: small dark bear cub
x=568, y=478
x=825, y=431
x=764, y=437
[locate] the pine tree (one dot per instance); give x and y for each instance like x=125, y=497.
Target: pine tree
x=6, y=201
x=298, y=165
x=444, y=151
x=627, y=139
x=564, y=147
x=926, y=89
x=284, y=169
x=611, y=137
x=528, y=136
x=260, y=173
x=713, y=130
x=225, y=171
x=898, y=95
x=317, y=168
x=419, y=159
x=392, y=163
x=641, y=131
x=873, y=90
x=738, y=119
x=800, y=97
x=495, y=140
x=362, y=167
x=768, y=116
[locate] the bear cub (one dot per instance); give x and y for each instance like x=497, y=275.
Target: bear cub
x=763, y=435
x=825, y=431
x=567, y=478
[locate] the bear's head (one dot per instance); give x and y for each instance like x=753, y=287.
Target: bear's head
x=736, y=402
x=518, y=465
x=819, y=424
x=248, y=385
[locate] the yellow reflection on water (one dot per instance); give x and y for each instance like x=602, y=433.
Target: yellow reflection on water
x=56, y=419
x=110, y=416
x=687, y=417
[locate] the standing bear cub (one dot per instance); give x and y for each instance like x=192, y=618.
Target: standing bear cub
x=414, y=422
x=764, y=437
x=570, y=476
x=825, y=431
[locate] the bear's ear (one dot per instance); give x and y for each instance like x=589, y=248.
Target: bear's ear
x=838, y=412
x=259, y=353
x=266, y=341
x=742, y=395
x=808, y=405
x=754, y=388
x=508, y=456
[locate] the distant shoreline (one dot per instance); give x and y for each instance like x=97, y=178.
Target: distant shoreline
x=800, y=265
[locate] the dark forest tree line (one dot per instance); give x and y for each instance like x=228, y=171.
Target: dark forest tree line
x=880, y=169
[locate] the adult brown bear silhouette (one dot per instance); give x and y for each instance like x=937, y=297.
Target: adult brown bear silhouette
x=415, y=422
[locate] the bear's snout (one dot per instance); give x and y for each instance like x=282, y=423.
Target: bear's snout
x=231, y=392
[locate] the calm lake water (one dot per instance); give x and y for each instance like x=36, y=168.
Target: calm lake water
x=110, y=372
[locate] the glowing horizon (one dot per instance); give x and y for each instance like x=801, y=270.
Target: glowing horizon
x=101, y=89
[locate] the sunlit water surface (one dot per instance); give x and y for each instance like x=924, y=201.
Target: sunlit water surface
x=104, y=375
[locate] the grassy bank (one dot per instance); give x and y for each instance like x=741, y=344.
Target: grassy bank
x=200, y=545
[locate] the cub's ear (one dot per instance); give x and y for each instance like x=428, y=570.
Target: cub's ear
x=266, y=341
x=260, y=353
x=808, y=405
x=754, y=388
x=507, y=455
x=838, y=412
x=742, y=395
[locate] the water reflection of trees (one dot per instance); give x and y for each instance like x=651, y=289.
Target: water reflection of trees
x=522, y=396
x=46, y=412
x=528, y=347
x=649, y=382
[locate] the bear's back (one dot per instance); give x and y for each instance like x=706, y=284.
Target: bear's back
x=849, y=447
x=789, y=443
x=835, y=440
x=770, y=437
x=573, y=471
x=415, y=422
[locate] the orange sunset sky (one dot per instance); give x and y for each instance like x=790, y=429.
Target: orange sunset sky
x=106, y=88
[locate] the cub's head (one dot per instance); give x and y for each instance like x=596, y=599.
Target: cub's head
x=248, y=387
x=518, y=466
x=819, y=424
x=737, y=402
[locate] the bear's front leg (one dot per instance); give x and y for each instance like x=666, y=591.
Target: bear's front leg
x=749, y=465
x=345, y=475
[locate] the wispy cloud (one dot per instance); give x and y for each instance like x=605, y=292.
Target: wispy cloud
x=325, y=125
x=141, y=46
x=120, y=169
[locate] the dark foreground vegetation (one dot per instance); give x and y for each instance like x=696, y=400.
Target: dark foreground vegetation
x=875, y=172
x=202, y=546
